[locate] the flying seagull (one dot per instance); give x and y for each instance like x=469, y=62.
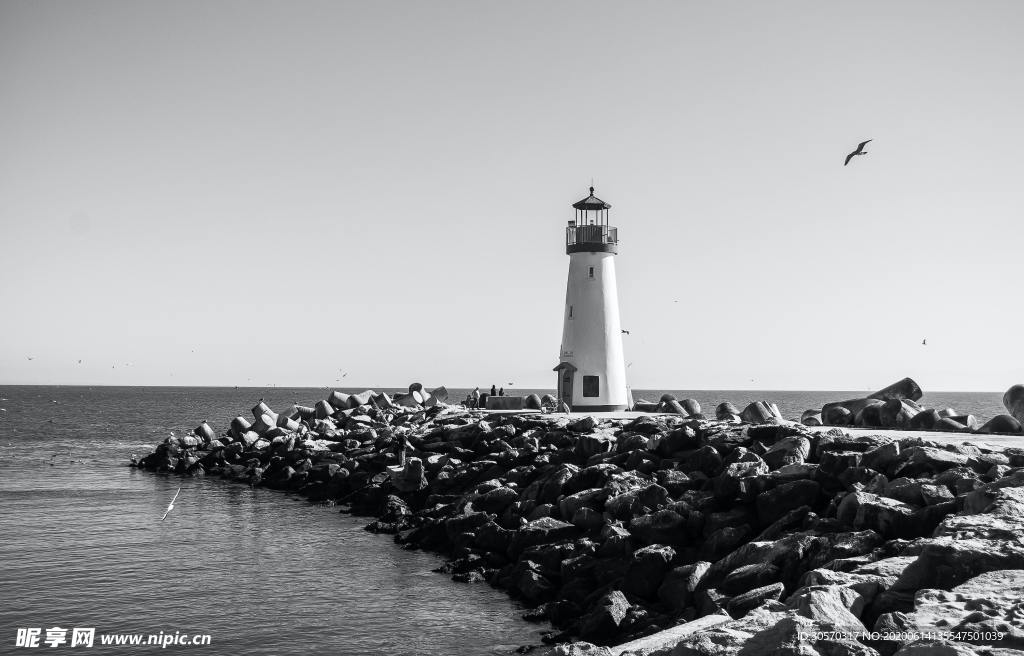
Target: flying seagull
x=625, y=332
x=860, y=151
x=170, y=506
x=924, y=342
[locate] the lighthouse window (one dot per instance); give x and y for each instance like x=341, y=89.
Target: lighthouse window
x=591, y=386
x=591, y=272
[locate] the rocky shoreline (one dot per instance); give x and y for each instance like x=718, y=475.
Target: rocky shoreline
x=791, y=540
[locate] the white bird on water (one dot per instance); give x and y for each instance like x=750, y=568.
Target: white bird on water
x=170, y=506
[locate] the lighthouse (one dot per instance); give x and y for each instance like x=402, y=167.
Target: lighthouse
x=591, y=372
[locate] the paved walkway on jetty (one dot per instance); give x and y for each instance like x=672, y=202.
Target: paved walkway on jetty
x=981, y=439
x=990, y=441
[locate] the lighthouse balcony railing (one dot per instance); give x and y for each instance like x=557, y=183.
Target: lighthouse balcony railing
x=581, y=236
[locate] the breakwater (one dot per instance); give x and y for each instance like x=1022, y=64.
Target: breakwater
x=620, y=528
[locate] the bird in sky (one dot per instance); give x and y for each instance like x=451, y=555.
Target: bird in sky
x=860, y=151
x=924, y=342
x=30, y=357
x=170, y=506
x=79, y=362
x=625, y=332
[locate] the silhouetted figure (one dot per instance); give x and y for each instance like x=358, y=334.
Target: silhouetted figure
x=501, y=392
x=860, y=151
x=924, y=342
x=476, y=397
x=400, y=448
x=493, y=391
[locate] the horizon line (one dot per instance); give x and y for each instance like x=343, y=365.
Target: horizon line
x=519, y=387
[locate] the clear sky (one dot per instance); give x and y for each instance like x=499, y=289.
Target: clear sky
x=233, y=193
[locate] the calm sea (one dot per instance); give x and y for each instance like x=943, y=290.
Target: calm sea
x=261, y=572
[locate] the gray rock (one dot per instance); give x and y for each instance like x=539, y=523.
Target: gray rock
x=792, y=450
x=1013, y=400
x=605, y=616
x=660, y=527
x=888, y=517
x=647, y=570
x=775, y=503
x=679, y=585
x=742, y=604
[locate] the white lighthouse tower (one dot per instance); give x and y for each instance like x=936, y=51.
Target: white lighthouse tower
x=591, y=372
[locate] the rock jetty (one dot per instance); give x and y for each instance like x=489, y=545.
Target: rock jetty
x=896, y=406
x=781, y=538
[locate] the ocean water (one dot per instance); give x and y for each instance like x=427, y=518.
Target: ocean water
x=259, y=571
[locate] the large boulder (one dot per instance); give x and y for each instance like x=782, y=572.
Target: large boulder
x=728, y=638
x=888, y=517
x=742, y=604
x=901, y=389
x=748, y=577
x=986, y=609
x=589, y=498
x=992, y=513
x=850, y=409
x=661, y=527
x=920, y=460
x=898, y=413
x=496, y=500
x=1001, y=424
x=636, y=502
x=604, y=617
x=726, y=411
x=579, y=648
x=793, y=450
x=592, y=444
x=679, y=585
x=761, y=412
x=1013, y=400
x=777, y=502
x=675, y=440
x=838, y=605
x=946, y=562
x=796, y=635
x=542, y=531
x=647, y=570
x=411, y=477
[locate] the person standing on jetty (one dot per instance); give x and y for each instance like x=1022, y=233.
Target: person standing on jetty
x=475, y=396
x=501, y=392
x=493, y=391
x=402, y=445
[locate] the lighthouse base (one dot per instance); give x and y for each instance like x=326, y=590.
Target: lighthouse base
x=599, y=408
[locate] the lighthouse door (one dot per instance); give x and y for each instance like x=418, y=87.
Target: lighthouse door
x=565, y=386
